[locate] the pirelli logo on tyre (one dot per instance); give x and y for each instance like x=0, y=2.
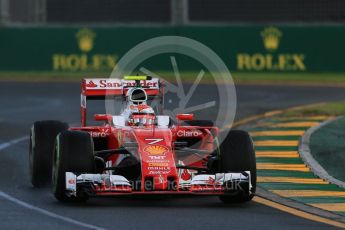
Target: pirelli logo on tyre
x=156, y=150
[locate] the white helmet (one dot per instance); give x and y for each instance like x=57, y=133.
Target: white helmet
x=136, y=95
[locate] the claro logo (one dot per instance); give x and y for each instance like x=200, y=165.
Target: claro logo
x=271, y=60
x=188, y=133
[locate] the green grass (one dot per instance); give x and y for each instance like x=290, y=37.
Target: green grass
x=328, y=109
x=296, y=78
x=335, y=79
x=328, y=147
x=77, y=76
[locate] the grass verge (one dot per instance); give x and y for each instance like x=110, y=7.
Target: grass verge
x=324, y=79
x=328, y=147
x=322, y=109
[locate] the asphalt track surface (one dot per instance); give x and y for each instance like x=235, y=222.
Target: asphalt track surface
x=23, y=103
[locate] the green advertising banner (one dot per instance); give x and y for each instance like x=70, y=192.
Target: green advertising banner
x=242, y=48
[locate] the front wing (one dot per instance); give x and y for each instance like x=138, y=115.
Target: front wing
x=201, y=184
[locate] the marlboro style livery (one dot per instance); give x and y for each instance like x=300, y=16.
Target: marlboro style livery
x=139, y=151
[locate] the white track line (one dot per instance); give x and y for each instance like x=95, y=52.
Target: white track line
x=34, y=208
x=12, y=142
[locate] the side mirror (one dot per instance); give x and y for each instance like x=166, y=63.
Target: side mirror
x=185, y=116
x=102, y=117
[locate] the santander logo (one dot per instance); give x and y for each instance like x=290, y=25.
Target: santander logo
x=114, y=83
x=91, y=84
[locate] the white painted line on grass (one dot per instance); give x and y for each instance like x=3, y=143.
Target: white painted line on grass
x=305, y=152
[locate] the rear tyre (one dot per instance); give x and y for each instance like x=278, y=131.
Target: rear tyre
x=73, y=153
x=42, y=138
x=237, y=154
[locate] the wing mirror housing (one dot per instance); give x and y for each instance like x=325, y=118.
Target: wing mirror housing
x=102, y=117
x=185, y=117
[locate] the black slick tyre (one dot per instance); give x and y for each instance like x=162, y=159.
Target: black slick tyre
x=73, y=153
x=237, y=154
x=42, y=138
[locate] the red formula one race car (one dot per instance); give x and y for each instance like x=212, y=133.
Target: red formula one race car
x=139, y=152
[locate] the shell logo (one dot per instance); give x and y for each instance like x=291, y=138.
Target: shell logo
x=156, y=149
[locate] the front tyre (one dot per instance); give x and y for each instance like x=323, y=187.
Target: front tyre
x=42, y=138
x=73, y=153
x=237, y=154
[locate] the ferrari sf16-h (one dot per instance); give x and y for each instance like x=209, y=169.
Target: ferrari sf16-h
x=140, y=151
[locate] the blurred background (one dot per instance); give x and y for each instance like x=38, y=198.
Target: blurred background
x=170, y=12
x=267, y=40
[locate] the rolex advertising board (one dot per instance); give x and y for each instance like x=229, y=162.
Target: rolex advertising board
x=243, y=48
x=84, y=61
x=271, y=59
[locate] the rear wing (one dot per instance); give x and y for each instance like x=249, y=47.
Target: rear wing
x=99, y=88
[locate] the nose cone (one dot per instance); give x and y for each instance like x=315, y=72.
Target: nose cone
x=157, y=159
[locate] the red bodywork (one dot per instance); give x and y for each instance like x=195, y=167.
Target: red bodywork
x=155, y=146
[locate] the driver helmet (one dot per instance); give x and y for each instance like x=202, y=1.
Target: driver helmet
x=137, y=96
x=141, y=115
